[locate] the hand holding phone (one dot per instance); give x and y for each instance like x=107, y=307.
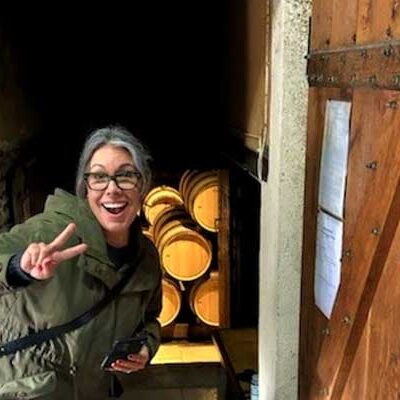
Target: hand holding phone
x=121, y=349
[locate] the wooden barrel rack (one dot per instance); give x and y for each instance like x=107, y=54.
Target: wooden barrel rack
x=182, y=222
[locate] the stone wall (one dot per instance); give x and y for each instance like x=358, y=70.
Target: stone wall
x=18, y=120
x=8, y=154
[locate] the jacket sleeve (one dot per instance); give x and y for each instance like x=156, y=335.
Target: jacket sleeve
x=151, y=325
x=16, y=241
x=15, y=275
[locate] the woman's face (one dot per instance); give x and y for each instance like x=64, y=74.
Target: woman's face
x=114, y=208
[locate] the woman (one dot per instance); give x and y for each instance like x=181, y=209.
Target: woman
x=60, y=263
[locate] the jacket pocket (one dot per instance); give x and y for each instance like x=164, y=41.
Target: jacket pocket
x=29, y=387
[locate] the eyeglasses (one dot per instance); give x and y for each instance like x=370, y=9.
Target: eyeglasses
x=126, y=180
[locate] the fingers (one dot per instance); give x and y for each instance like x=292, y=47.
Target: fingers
x=33, y=256
x=44, y=251
x=45, y=269
x=135, y=362
x=34, y=253
x=48, y=260
x=71, y=252
x=138, y=359
x=40, y=259
x=127, y=366
x=62, y=238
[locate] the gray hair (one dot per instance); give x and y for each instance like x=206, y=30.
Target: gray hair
x=119, y=137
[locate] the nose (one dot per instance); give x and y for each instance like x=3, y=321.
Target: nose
x=112, y=187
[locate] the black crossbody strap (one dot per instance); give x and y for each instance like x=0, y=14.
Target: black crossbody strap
x=51, y=333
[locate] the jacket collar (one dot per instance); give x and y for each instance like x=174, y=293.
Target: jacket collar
x=142, y=279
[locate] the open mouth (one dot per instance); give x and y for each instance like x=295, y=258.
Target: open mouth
x=115, y=208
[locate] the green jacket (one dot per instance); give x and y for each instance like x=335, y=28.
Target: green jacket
x=72, y=361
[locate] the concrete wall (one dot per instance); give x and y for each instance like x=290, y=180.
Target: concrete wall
x=282, y=203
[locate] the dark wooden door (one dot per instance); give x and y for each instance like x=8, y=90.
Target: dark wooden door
x=355, y=56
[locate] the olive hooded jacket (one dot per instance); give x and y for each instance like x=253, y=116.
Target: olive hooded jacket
x=69, y=367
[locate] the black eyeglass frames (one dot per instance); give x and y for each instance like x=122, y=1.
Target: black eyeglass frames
x=127, y=180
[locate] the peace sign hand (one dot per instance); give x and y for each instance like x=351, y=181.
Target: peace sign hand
x=40, y=259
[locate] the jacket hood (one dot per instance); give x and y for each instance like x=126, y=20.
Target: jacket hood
x=73, y=209
x=70, y=208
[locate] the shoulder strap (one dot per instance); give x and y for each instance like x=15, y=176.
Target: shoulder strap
x=51, y=333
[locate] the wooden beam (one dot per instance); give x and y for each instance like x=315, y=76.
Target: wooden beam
x=372, y=66
x=223, y=251
x=374, y=276
x=235, y=151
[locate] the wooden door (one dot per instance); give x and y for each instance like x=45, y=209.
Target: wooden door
x=355, y=56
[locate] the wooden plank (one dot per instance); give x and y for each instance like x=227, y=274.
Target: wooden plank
x=255, y=81
x=395, y=19
x=247, y=59
x=380, y=344
x=356, y=387
x=384, y=345
x=378, y=20
x=344, y=23
x=381, y=212
x=371, y=116
x=373, y=278
x=321, y=24
x=376, y=66
x=223, y=250
x=313, y=322
x=310, y=324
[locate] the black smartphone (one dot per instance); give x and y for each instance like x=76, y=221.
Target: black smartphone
x=121, y=348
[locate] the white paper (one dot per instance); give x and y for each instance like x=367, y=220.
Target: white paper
x=335, y=149
x=325, y=295
x=327, y=261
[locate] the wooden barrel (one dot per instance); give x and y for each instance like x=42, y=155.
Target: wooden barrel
x=158, y=199
x=171, y=302
x=200, y=192
x=171, y=213
x=187, y=176
x=184, y=253
x=204, y=299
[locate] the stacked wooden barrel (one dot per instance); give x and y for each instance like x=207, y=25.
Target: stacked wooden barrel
x=158, y=199
x=200, y=192
x=182, y=225
x=204, y=299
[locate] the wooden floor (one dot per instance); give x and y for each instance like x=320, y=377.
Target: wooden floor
x=182, y=352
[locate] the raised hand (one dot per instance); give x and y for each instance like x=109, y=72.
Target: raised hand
x=40, y=259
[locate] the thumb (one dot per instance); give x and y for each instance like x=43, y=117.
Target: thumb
x=144, y=352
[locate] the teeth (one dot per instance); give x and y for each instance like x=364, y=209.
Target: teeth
x=114, y=205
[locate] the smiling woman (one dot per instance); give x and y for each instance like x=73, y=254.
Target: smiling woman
x=114, y=207
x=63, y=275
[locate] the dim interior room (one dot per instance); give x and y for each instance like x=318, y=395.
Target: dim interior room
x=174, y=75
x=159, y=73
